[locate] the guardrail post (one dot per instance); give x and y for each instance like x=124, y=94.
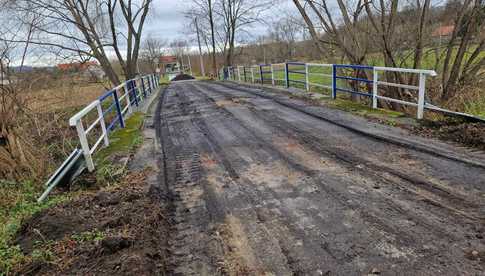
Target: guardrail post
x=334, y=82
x=252, y=74
x=118, y=108
x=143, y=88
x=103, y=124
x=307, y=77
x=287, y=75
x=83, y=140
x=375, y=82
x=244, y=71
x=134, y=88
x=422, y=92
x=127, y=97
x=229, y=72
x=261, y=74
x=272, y=74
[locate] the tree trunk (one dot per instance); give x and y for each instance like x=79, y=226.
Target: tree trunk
x=211, y=22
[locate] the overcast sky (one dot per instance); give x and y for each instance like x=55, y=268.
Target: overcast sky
x=167, y=20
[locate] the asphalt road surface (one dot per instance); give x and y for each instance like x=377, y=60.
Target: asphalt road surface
x=266, y=184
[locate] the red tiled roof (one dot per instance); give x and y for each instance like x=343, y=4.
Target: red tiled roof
x=444, y=30
x=75, y=65
x=168, y=59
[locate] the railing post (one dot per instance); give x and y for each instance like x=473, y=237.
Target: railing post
x=375, y=82
x=272, y=74
x=127, y=97
x=244, y=70
x=84, y=145
x=252, y=74
x=143, y=87
x=287, y=75
x=133, y=85
x=261, y=74
x=229, y=73
x=103, y=124
x=118, y=108
x=334, y=82
x=239, y=74
x=307, y=78
x=422, y=92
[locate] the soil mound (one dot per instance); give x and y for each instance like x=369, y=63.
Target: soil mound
x=117, y=231
x=465, y=133
x=183, y=77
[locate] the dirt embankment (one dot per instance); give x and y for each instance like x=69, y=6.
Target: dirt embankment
x=118, y=230
x=468, y=134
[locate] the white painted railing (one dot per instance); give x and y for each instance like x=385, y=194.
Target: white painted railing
x=134, y=91
x=332, y=77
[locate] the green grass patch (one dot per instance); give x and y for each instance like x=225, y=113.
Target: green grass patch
x=122, y=142
x=476, y=108
x=164, y=80
x=362, y=109
x=18, y=201
x=203, y=78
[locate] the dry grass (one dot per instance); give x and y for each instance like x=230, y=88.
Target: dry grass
x=66, y=96
x=38, y=120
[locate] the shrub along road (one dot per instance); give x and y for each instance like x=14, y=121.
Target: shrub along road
x=262, y=183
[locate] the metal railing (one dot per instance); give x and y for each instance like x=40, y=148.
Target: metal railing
x=341, y=78
x=112, y=109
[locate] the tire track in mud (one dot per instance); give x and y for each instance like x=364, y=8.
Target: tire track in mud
x=293, y=265
x=343, y=200
x=269, y=219
x=191, y=220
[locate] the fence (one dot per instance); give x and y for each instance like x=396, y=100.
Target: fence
x=359, y=80
x=111, y=110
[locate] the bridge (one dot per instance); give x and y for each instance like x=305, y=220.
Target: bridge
x=261, y=181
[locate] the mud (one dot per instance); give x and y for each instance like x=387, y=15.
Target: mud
x=265, y=184
x=463, y=133
x=183, y=77
x=119, y=231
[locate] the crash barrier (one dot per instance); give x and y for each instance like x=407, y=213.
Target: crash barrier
x=359, y=80
x=112, y=109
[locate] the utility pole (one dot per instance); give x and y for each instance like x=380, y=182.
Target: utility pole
x=202, y=69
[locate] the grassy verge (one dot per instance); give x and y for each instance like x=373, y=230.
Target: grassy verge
x=164, y=80
x=17, y=203
x=18, y=200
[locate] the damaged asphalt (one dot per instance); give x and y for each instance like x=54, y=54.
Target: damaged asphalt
x=263, y=184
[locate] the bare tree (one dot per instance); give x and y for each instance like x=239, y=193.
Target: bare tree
x=468, y=37
x=88, y=28
x=235, y=15
x=152, y=50
x=203, y=10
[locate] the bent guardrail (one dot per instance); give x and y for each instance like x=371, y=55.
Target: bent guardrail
x=336, y=78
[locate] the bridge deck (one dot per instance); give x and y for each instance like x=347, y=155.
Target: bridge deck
x=263, y=187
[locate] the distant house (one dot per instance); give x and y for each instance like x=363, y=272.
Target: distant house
x=89, y=69
x=443, y=31
x=76, y=66
x=168, y=64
